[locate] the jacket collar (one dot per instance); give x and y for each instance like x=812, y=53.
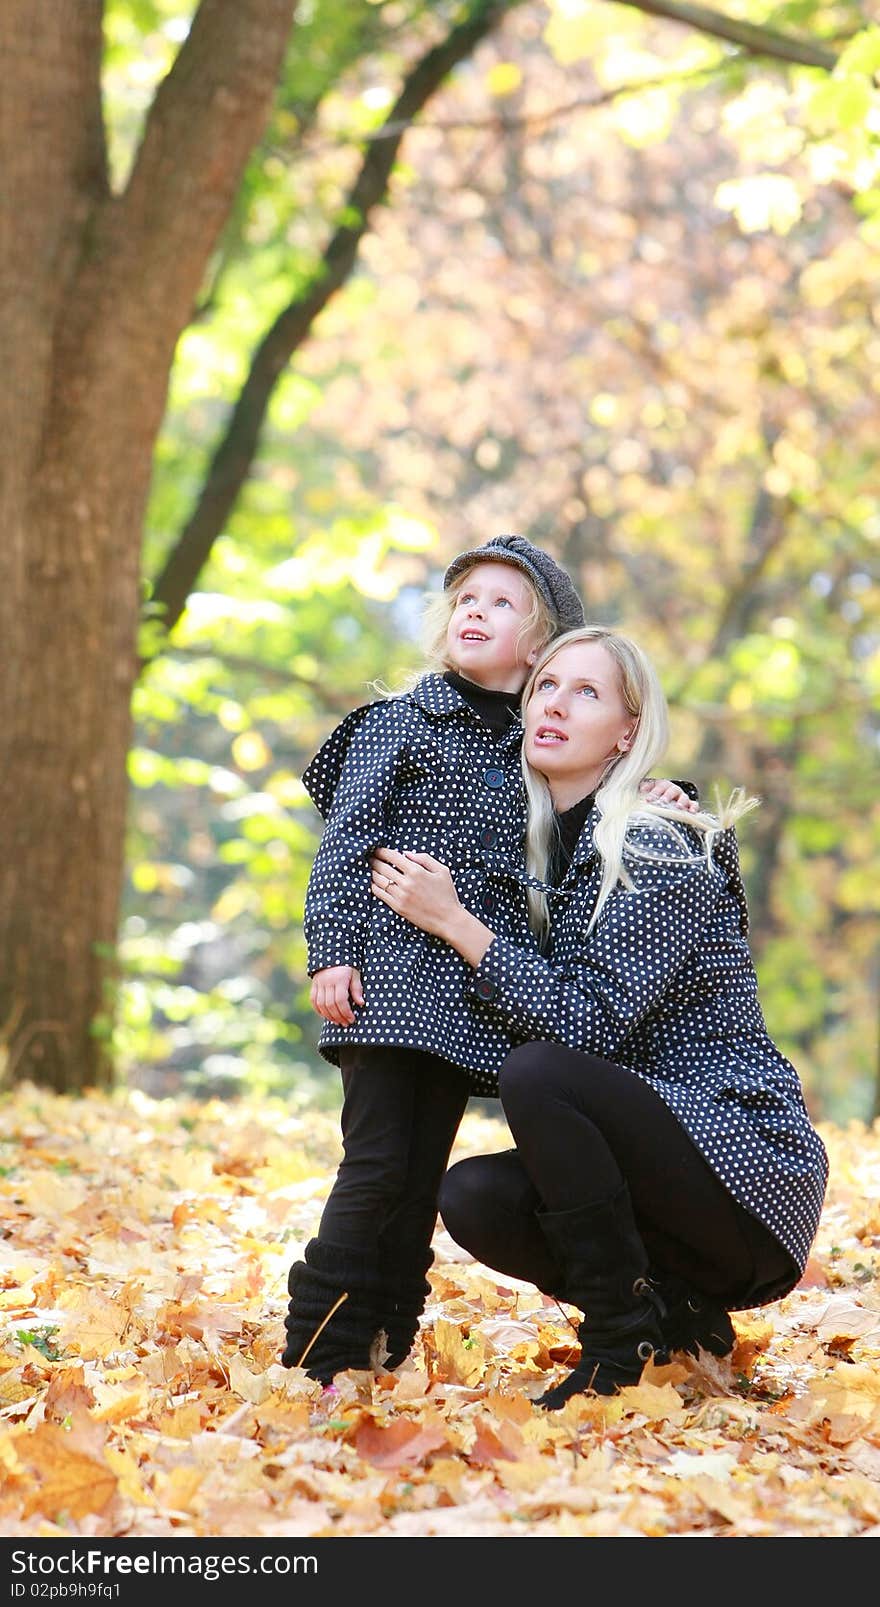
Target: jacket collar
x=434, y=695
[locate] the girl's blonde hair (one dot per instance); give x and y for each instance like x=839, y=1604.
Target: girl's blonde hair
x=617, y=796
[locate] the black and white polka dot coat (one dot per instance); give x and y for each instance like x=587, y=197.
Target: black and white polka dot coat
x=417, y=771
x=665, y=986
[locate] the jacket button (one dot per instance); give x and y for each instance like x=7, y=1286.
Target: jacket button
x=488, y=903
x=488, y=837
x=485, y=988
x=493, y=778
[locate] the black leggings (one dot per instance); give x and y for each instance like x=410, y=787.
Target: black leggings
x=582, y=1126
x=401, y=1111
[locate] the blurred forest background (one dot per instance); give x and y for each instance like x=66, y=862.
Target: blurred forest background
x=604, y=275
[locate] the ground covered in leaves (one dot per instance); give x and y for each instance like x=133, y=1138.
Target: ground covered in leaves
x=143, y=1266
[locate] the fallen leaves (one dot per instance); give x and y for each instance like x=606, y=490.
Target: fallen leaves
x=142, y=1294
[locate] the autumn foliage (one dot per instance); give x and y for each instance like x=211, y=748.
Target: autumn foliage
x=144, y=1264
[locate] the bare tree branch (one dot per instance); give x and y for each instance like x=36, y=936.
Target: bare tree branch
x=235, y=453
x=758, y=41
x=233, y=458
x=270, y=674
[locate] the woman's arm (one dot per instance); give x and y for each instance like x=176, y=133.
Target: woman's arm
x=608, y=980
x=421, y=889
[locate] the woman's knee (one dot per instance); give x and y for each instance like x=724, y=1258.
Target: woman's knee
x=523, y=1077
x=463, y=1196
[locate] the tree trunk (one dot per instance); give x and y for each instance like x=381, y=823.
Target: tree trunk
x=96, y=291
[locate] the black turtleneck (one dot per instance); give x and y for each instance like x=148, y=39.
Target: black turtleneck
x=569, y=824
x=497, y=710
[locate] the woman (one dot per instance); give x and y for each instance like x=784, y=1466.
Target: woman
x=666, y=1170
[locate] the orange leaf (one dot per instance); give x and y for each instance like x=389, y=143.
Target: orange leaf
x=400, y=1444
x=814, y=1276
x=67, y=1390
x=489, y=1447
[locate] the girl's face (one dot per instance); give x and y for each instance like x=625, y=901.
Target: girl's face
x=576, y=721
x=484, y=637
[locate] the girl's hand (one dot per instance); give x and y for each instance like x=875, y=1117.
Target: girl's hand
x=417, y=887
x=667, y=792
x=335, y=991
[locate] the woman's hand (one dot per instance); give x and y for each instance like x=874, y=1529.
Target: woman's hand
x=421, y=889
x=417, y=887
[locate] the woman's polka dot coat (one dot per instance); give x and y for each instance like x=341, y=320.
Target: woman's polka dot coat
x=417, y=771
x=665, y=986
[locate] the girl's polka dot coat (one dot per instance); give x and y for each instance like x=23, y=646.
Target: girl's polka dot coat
x=665, y=986
x=416, y=771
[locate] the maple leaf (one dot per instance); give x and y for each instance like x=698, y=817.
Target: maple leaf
x=93, y=1326
x=460, y=1360
x=75, y=1478
x=253, y=1387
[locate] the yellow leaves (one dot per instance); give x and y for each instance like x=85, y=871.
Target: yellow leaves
x=254, y=1387
x=645, y=119
x=460, y=1359
x=160, y=1399
x=603, y=408
x=657, y=1402
x=846, y=1404
x=503, y=78
x=74, y=1477
x=93, y=1326
x=250, y=751
x=14, y=1390
x=51, y=1193
x=183, y=1422
x=761, y=201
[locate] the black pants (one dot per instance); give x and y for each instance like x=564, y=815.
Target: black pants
x=401, y=1111
x=582, y=1126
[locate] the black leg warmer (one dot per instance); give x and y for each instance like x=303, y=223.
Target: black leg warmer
x=332, y=1276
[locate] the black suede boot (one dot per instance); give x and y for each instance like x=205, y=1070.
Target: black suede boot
x=406, y=1290
x=332, y=1276
x=605, y=1267
x=694, y=1321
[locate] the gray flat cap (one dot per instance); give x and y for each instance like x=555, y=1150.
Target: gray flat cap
x=548, y=577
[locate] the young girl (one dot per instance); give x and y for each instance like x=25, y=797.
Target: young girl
x=435, y=769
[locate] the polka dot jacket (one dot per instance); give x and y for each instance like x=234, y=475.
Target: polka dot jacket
x=417, y=771
x=665, y=986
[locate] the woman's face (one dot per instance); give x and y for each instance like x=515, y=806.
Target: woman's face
x=576, y=720
x=483, y=636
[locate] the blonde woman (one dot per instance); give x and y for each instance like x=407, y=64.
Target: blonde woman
x=666, y=1170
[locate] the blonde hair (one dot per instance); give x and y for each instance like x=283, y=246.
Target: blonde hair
x=617, y=795
x=437, y=611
